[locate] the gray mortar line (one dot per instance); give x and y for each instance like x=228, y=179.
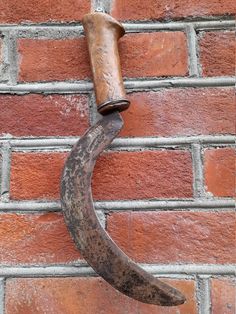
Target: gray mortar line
x=48, y=88
x=198, y=54
x=123, y=205
x=5, y=63
x=85, y=270
x=2, y=295
x=137, y=142
x=5, y=177
x=101, y=217
x=71, y=26
x=101, y=6
x=192, y=49
x=56, y=32
x=111, y=149
x=165, y=141
x=12, y=58
x=45, y=32
x=136, y=26
x=203, y=296
x=191, y=269
x=93, y=110
x=67, y=31
x=131, y=85
x=141, y=27
x=179, y=82
x=211, y=25
x=28, y=206
x=198, y=185
x=160, y=205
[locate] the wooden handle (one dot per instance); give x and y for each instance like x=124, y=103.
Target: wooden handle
x=102, y=33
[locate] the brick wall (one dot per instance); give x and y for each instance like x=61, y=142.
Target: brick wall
x=174, y=158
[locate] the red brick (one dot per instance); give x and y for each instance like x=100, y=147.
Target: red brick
x=14, y=11
x=37, y=115
x=48, y=60
x=217, y=53
x=154, y=54
x=223, y=292
x=35, y=239
x=120, y=175
x=220, y=171
x=36, y=175
x=175, y=237
x=170, y=9
x=84, y=296
x=168, y=113
x=67, y=59
x=140, y=175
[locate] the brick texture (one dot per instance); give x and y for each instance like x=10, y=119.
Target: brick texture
x=84, y=296
x=35, y=239
x=170, y=9
x=42, y=46
x=154, y=54
x=168, y=112
x=121, y=175
x=175, y=237
x=52, y=60
x=220, y=171
x=217, y=53
x=67, y=59
x=147, y=237
x=37, y=115
x=14, y=11
x=223, y=292
x=36, y=175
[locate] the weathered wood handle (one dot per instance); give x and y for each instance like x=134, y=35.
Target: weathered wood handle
x=102, y=33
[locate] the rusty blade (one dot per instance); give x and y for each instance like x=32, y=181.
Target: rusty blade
x=98, y=249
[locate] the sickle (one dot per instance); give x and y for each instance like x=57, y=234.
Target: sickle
x=93, y=242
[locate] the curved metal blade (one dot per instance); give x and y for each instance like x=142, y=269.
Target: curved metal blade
x=98, y=249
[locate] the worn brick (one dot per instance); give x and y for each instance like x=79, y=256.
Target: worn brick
x=220, y=171
x=175, y=237
x=140, y=175
x=217, y=53
x=48, y=60
x=84, y=296
x=168, y=112
x=154, y=54
x=170, y=9
x=36, y=175
x=223, y=292
x=67, y=59
x=120, y=175
x=35, y=239
x=27, y=11
x=37, y=115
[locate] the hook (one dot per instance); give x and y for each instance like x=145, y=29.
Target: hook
x=96, y=246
